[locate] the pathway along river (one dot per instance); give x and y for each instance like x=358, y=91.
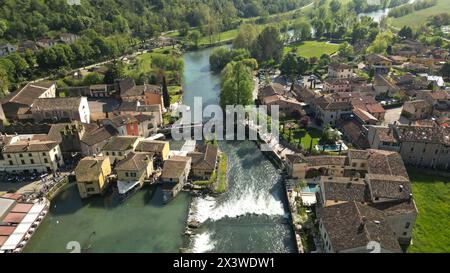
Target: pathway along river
x=250, y=217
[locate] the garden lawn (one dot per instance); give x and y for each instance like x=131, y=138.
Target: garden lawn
x=310, y=49
x=431, y=232
x=420, y=17
x=305, y=136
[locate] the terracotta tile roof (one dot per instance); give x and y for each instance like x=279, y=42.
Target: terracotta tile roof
x=296, y=158
x=48, y=104
x=205, y=158
x=6, y=231
x=155, y=146
x=22, y=207
x=344, y=188
x=29, y=93
x=353, y=225
x=89, y=169
x=120, y=143
x=14, y=217
x=175, y=167
x=98, y=134
x=386, y=163
x=134, y=162
x=30, y=146
x=389, y=186
x=326, y=160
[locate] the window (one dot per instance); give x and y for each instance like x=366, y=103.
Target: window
x=45, y=160
x=22, y=161
x=20, y=155
x=9, y=156
x=31, y=161
x=407, y=224
x=114, y=153
x=90, y=189
x=133, y=174
x=126, y=174
x=363, y=165
x=120, y=153
x=412, y=149
x=11, y=163
x=107, y=153
x=30, y=155
x=404, y=233
x=44, y=154
x=353, y=164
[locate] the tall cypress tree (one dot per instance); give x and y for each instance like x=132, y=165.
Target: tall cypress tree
x=166, y=95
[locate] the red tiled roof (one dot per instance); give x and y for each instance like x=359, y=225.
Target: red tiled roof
x=11, y=196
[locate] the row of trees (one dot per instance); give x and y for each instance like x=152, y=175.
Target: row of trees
x=410, y=8
x=31, y=19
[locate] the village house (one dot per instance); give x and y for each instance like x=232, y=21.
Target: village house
x=204, y=161
x=27, y=45
x=101, y=90
x=92, y=175
x=355, y=132
x=350, y=227
x=337, y=85
x=272, y=90
x=174, y=175
x=7, y=49
x=68, y=38
x=369, y=105
x=383, y=86
x=374, y=178
x=419, y=145
x=46, y=42
x=133, y=170
x=147, y=94
x=288, y=107
x=440, y=101
x=17, y=105
x=379, y=63
x=118, y=147
x=416, y=109
x=329, y=111
x=61, y=109
x=340, y=71
x=159, y=148
x=95, y=138
x=129, y=125
x=68, y=136
x=30, y=154
x=135, y=107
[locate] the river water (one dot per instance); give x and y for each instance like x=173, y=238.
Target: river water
x=249, y=217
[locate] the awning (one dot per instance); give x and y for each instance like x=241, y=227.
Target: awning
x=126, y=186
x=21, y=230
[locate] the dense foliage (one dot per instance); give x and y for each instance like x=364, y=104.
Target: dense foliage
x=32, y=19
x=409, y=8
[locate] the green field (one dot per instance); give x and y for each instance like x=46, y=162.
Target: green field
x=420, y=17
x=310, y=49
x=431, y=232
x=303, y=136
x=224, y=36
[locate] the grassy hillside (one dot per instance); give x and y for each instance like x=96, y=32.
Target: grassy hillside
x=432, y=196
x=420, y=17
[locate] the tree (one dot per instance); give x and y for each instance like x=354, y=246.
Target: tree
x=20, y=65
x=335, y=5
x=166, y=95
x=345, y=50
x=329, y=135
x=302, y=30
x=289, y=66
x=92, y=78
x=237, y=85
x=221, y=56
x=269, y=46
x=3, y=27
x=445, y=70
x=302, y=65
x=406, y=32
x=194, y=37
x=116, y=71
x=246, y=36
x=4, y=82
x=184, y=29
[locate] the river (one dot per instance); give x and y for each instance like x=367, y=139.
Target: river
x=249, y=217
x=378, y=14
